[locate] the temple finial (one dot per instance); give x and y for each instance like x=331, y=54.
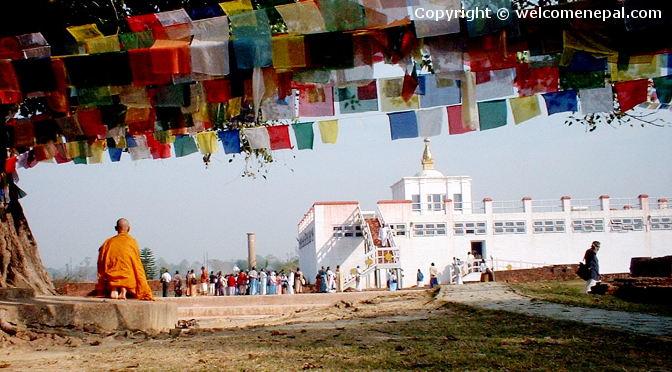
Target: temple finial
x=427, y=157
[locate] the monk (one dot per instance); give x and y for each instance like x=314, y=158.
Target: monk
x=120, y=271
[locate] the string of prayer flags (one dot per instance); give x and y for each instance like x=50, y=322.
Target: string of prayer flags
x=663, y=87
x=257, y=137
x=328, y=130
x=492, y=114
x=596, y=100
x=434, y=26
x=631, y=93
x=303, y=132
x=430, y=121
x=316, y=101
x=455, y=121
x=561, y=102
x=403, y=125
x=279, y=137
x=302, y=18
x=440, y=91
x=230, y=140
x=207, y=142
x=184, y=145
x=524, y=108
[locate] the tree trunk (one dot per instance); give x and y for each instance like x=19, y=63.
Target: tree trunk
x=20, y=262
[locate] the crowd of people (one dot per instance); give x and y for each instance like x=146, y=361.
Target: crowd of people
x=239, y=283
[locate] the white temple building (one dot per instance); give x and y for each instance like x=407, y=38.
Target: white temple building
x=434, y=220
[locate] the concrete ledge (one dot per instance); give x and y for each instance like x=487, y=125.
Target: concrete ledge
x=8, y=294
x=97, y=315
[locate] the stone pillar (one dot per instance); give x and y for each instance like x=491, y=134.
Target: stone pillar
x=251, y=251
x=605, y=203
x=566, y=203
x=527, y=204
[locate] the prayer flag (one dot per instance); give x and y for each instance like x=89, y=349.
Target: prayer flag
x=57, y=99
x=236, y=6
x=279, y=137
x=578, y=80
x=492, y=114
x=91, y=122
x=288, y=52
x=252, y=39
x=328, y=130
x=69, y=127
x=536, y=80
x=455, y=120
x=170, y=57
x=103, y=45
x=205, y=12
x=257, y=137
x=94, y=96
x=142, y=70
x=85, y=32
x=330, y=50
x=10, y=90
x=390, y=96
x=303, y=132
x=96, y=152
x=210, y=47
x=403, y=125
x=230, y=140
x=317, y=101
x=302, y=18
x=35, y=75
x=217, y=91
x=440, y=91
x=433, y=26
x=498, y=85
x=342, y=15
x=207, y=142
x=358, y=99
x=469, y=105
x=663, y=88
x=631, y=93
x=561, y=102
x=596, y=100
x=480, y=25
x=408, y=87
x=136, y=40
x=524, y=108
x=141, y=149
x=276, y=108
x=447, y=53
x=639, y=70
x=184, y=145
x=430, y=121
x=492, y=52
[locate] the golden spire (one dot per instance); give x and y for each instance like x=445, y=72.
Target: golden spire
x=427, y=158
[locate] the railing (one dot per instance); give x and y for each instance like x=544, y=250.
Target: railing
x=586, y=205
x=659, y=203
x=624, y=204
x=547, y=205
x=501, y=265
x=387, y=256
x=390, y=238
x=369, y=246
x=514, y=206
x=464, y=269
x=469, y=208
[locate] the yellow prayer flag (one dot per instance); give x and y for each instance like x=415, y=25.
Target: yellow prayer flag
x=207, y=142
x=288, y=52
x=233, y=107
x=76, y=149
x=236, y=6
x=328, y=130
x=524, y=108
x=103, y=44
x=638, y=71
x=85, y=32
x=96, y=152
x=137, y=114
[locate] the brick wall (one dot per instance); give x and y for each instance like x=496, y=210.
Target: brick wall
x=82, y=289
x=555, y=272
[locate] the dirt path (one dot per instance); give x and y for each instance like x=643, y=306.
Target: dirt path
x=497, y=296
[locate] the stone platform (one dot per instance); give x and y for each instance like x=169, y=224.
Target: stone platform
x=22, y=307
x=204, y=307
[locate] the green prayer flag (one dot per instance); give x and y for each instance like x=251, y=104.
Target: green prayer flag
x=185, y=145
x=663, y=88
x=304, y=135
x=492, y=114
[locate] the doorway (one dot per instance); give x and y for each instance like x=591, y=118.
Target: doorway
x=478, y=249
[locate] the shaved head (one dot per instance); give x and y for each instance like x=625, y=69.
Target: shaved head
x=123, y=226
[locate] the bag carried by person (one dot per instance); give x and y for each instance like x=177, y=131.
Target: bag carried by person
x=583, y=271
x=194, y=281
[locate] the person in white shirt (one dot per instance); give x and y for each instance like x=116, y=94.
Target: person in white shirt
x=165, y=280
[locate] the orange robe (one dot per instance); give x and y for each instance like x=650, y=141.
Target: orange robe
x=119, y=265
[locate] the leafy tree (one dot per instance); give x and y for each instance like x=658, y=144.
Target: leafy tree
x=148, y=262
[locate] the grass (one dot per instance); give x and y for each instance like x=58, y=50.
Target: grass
x=570, y=292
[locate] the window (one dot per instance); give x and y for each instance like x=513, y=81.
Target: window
x=509, y=227
x=435, y=202
x=398, y=229
x=549, y=226
x=588, y=225
x=429, y=229
x=661, y=223
x=417, y=207
x=457, y=202
x=476, y=228
x=347, y=231
x=627, y=224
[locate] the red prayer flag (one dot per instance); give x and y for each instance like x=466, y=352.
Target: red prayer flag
x=455, y=120
x=492, y=52
x=170, y=57
x=142, y=71
x=58, y=99
x=408, y=87
x=631, y=93
x=217, y=91
x=91, y=122
x=536, y=80
x=147, y=22
x=279, y=136
x=10, y=165
x=10, y=48
x=368, y=91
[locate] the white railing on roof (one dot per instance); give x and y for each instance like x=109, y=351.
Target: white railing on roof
x=548, y=205
x=512, y=206
x=659, y=203
x=586, y=205
x=624, y=204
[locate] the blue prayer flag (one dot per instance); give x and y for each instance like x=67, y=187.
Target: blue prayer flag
x=561, y=102
x=403, y=125
x=230, y=140
x=115, y=153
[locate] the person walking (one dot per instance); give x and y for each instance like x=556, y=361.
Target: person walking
x=165, y=280
x=263, y=282
x=358, y=279
x=177, y=280
x=420, y=277
x=204, y=281
x=253, y=277
x=299, y=281
x=433, y=279
x=590, y=259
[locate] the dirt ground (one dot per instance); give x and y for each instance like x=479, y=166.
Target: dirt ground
x=411, y=330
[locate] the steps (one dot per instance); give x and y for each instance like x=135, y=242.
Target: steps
x=374, y=227
x=205, y=307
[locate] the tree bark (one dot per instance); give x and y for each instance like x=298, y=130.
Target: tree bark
x=20, y=262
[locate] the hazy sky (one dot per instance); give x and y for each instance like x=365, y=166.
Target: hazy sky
x=180, y=209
